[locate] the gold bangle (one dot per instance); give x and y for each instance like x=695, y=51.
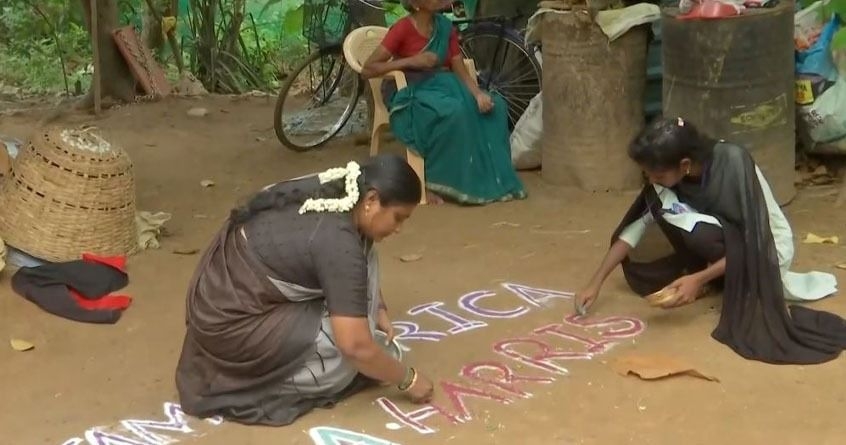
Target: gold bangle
x=411, y=382
x=406, y=379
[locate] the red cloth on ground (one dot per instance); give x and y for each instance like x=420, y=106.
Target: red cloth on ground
x=110, y=301
x=403, y=40
x=116, y=262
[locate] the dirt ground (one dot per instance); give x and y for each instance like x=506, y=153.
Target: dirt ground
x=83, y=376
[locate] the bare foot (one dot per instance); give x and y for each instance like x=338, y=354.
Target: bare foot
x=432, y=198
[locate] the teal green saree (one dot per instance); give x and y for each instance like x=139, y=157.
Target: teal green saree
x=467, y=154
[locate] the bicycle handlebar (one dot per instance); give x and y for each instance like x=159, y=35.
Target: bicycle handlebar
x=499, y=19
x=377, y=3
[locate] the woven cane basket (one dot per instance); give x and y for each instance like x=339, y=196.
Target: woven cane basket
x=68, y=192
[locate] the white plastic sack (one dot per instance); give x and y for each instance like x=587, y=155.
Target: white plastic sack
x=825, y=115
x=526, y=137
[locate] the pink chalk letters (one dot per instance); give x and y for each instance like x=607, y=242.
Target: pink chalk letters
x=545, y=349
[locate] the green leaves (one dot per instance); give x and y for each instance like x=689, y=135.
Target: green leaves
x=838, y=7
x=838, y=42
x=292, y=23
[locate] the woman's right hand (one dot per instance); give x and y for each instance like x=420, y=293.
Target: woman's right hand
x=484, y=102
x=585, y=298
x=422, y=390
x=422, y=61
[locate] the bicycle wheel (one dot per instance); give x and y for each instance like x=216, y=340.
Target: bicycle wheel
x=505, y=65
x=316, y=100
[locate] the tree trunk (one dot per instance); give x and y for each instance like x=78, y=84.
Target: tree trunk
x=151, y=31
x=231, y=44
x=116, y=81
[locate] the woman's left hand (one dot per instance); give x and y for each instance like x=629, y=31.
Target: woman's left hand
x=484, y=101
x=687, y=289
x=383, y=322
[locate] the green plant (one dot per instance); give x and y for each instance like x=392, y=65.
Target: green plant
x=838, y=42
x=254, y=43
x=42, y=40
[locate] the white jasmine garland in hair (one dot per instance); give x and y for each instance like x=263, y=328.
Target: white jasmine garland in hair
x=350, y=175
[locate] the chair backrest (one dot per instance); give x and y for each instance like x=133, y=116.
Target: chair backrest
x=360, y=44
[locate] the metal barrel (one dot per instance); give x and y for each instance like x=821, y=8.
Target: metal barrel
x=734, y=79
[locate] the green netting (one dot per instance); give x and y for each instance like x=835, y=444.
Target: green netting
x=325, y=21
x=280, y=18
x=285, y=18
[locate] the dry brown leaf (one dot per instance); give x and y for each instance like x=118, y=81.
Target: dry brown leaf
x=185, y=251
x=410, y=258
x=812, y=238
x=654, y=367
x=21, y=345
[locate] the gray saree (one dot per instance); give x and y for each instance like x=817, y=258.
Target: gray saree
x=259, y=348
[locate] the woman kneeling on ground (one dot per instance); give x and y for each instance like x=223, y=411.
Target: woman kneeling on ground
x=460, y=131
x=715, y=208
x=283, y=306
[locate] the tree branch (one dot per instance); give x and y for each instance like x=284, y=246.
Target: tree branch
x=171, y=38
x=56, y=39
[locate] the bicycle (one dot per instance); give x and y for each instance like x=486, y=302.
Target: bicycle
x=504, y=63
x=335, y=88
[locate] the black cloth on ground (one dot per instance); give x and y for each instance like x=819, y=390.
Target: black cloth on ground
x=49, y=286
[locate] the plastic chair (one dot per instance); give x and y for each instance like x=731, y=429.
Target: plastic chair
x=358, y=46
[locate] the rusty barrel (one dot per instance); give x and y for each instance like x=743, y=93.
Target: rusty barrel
x=593, y=103
x=734, y=79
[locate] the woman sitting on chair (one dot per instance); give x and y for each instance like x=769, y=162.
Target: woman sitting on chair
x=459, y=130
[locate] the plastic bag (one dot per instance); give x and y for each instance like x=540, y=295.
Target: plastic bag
x=807, y=24
x=526, y=137
x=825, y=115
x=817, y=59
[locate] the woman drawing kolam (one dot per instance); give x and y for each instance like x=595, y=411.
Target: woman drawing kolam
x=282, y=308
x=716, y=209
x=459, y=130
